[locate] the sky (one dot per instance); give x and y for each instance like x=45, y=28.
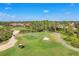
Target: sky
x=39, y=11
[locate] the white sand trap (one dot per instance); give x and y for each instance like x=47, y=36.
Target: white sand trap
x=46, y=38
x=15, y=32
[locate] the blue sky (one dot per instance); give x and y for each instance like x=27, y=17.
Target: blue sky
x=38, y=11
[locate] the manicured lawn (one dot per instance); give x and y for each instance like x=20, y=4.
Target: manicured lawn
x=21, y=28
x=36, y=46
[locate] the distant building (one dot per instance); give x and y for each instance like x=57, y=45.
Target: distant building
x=28, y=24
x=20, y=24
x=73, y=25
x=16, y=24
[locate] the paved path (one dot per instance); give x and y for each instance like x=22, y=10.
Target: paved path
x=58, y=37
x=11, y=42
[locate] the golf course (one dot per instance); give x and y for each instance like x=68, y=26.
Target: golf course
x=39, y=29
x=35, y=45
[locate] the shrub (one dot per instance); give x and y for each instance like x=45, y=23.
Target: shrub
x=5, y=34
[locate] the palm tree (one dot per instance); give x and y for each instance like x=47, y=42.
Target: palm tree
x=55, y=26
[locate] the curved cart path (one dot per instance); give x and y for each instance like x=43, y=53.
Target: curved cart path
x=11, y=41
x=58, y=37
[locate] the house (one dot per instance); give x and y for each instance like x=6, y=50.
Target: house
x=28, y=24
x=60, y=26
x=16, y=24
x=20, y=24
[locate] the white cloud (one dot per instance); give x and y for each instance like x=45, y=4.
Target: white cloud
x=2, y=14
x=13, y=16
x=67, y=13
x=46, y=11
x=8, y=8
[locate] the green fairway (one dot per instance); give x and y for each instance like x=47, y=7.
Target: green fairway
x=20, y=28
x=36, y=46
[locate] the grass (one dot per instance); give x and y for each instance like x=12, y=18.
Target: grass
x=36, y=46
x=21, y=28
